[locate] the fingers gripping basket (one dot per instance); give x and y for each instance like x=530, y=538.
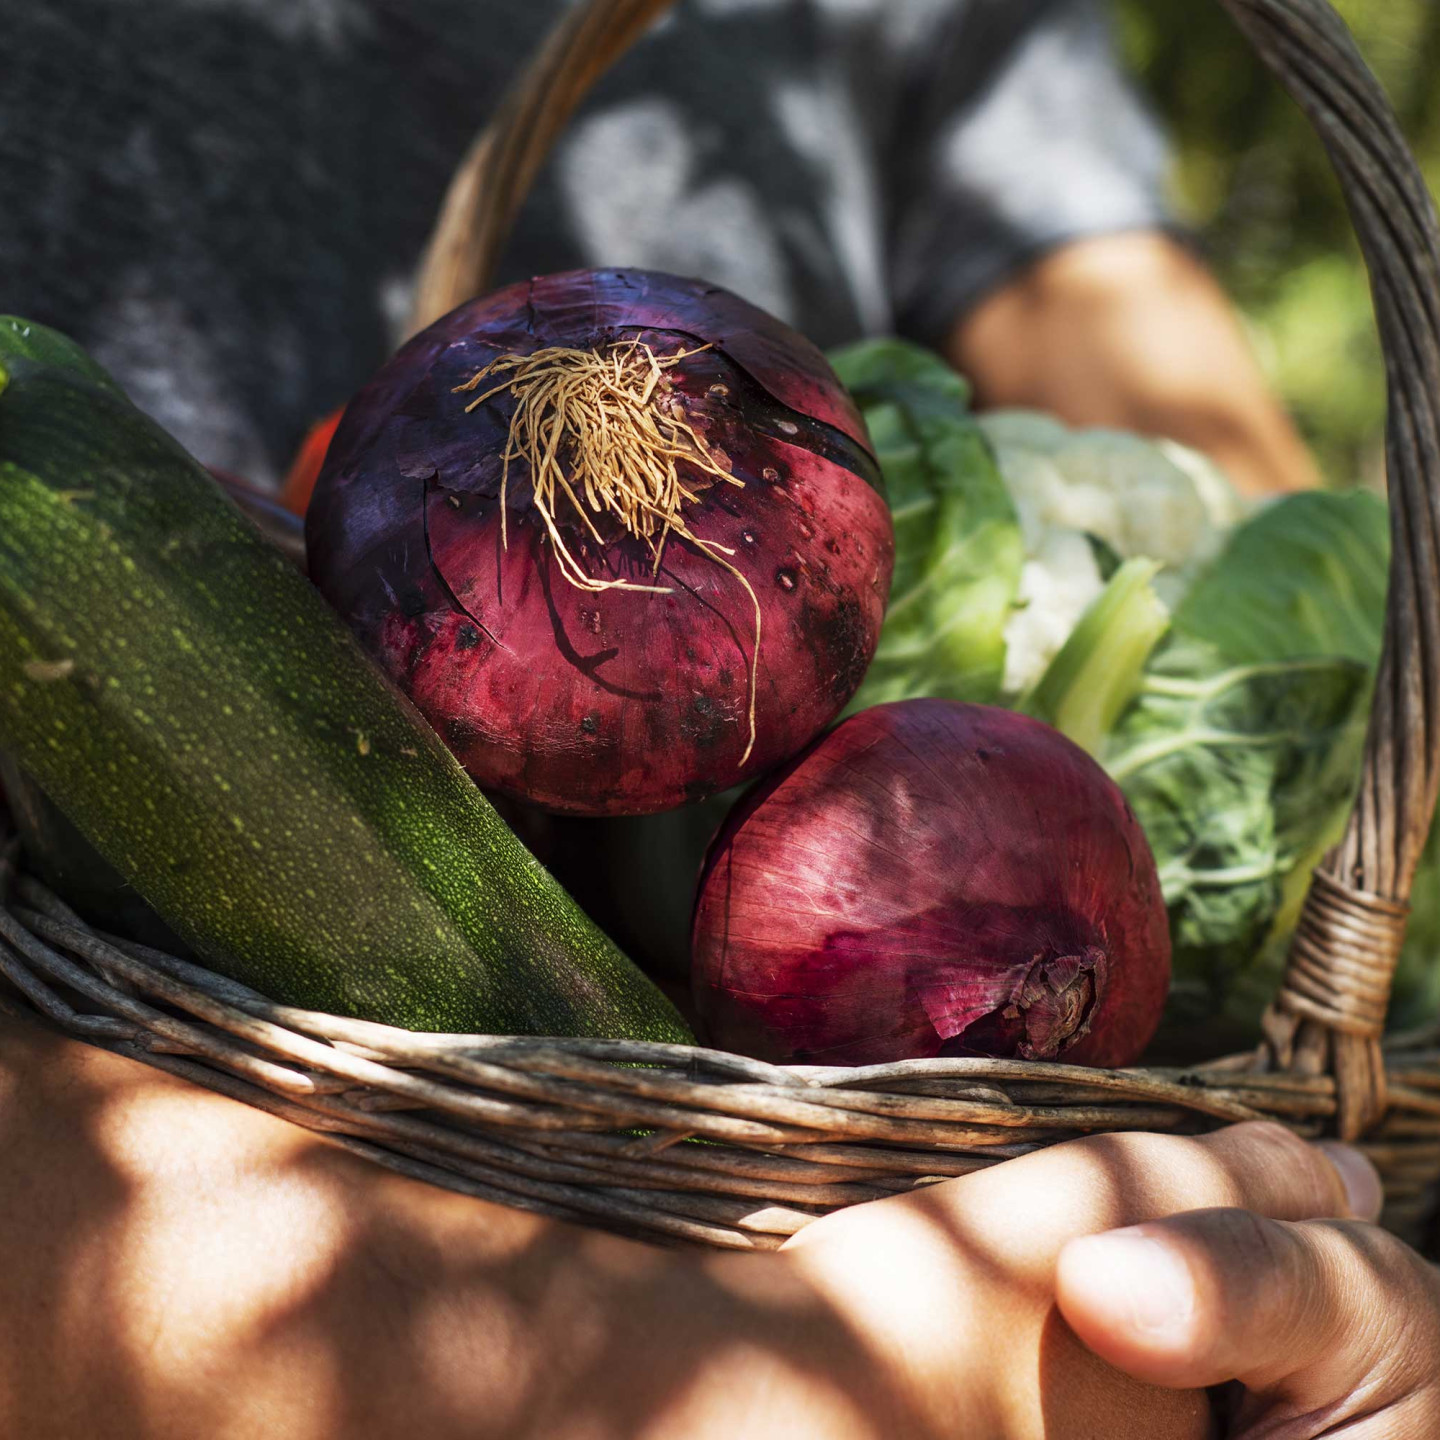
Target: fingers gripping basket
x=604, y=1132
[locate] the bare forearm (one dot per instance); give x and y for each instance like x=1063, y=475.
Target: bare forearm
x=173, y=1264
x=1132, y=331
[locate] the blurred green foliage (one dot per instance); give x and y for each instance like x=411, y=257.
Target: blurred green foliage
x=1253, y=184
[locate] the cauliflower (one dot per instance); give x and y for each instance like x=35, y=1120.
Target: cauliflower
x=1072, y=488
x=1060, y=581
x=1223, y=505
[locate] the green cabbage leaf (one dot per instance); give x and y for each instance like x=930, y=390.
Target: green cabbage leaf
x=1241, y=753
x=958, y=548
x=1100, y=669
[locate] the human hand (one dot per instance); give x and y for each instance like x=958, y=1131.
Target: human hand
x=954, y=1286
x=1322, y=1327
x=174, y=1264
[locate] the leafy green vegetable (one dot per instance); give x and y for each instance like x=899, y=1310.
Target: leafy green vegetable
x=958, y=548
x=1306, y=576
x=1098, y=672
x=1234, y=770
x=1242, y=753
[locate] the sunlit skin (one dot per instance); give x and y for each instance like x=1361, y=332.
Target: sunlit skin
x=1321, y=1328
x=1132, y=331
x=175, y=1264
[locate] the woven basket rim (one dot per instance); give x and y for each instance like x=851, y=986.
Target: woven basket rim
x=666, y=1142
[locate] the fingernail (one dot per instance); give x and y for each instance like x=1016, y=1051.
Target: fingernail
x=1363, y=1191
x=1139, y=1280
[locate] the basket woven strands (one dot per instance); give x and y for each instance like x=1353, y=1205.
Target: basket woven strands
x=670, y=1142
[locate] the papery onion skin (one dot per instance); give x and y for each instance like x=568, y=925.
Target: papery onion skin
x=919, y=871
x=619, y=702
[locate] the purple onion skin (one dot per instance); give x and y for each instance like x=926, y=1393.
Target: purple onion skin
x=617, y=702
x=932, y=879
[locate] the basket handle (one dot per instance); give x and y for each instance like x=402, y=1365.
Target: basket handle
x=1330, y=1009
x=494, y=178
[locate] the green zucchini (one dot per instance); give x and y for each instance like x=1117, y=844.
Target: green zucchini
x=68, y=863
x=210, y=726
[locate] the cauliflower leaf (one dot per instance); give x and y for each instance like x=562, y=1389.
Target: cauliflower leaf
x=958, y=548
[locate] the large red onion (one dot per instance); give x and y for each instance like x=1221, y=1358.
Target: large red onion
x=617, y=700
x=933, y=879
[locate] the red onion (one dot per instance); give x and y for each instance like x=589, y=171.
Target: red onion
x=587, y=639
x=933, y=879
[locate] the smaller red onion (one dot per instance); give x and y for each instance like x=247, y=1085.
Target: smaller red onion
x=933, y=879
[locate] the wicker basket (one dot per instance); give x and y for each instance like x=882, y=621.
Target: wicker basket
x=693, y=1145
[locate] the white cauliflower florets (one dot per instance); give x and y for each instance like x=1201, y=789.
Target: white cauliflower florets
x=1155, y=500
x=1216, y=490
x=1059, y=583
x=1025, y=430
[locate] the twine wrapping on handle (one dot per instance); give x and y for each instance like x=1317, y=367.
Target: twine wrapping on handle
x=1342, y=959
x=499, y=169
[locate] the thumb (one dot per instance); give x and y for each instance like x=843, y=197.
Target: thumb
x=1308, y=1312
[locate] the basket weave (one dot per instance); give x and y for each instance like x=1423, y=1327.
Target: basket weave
x=687, y=1144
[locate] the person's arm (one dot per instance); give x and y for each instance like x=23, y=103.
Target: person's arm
x=173, y=1264
x=1132, y=331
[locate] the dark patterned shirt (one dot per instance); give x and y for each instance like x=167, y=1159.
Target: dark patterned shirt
x=224, y=199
